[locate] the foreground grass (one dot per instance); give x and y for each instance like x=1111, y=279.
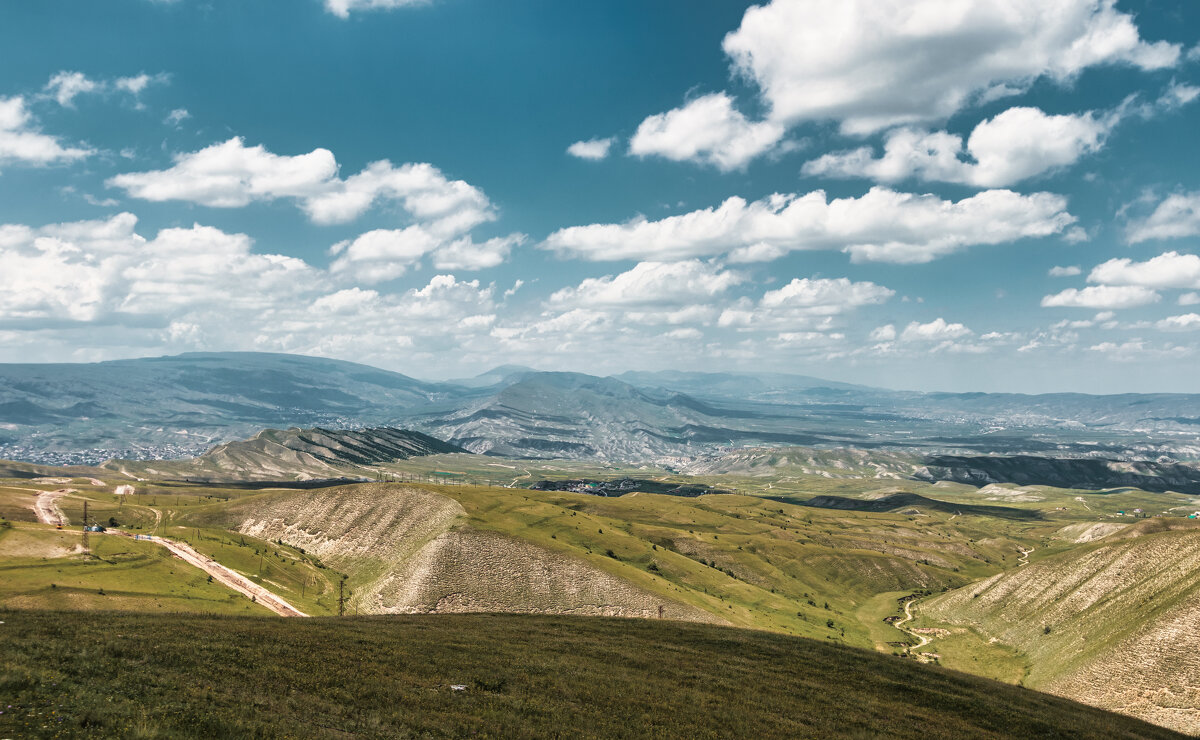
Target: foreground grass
x=118, y=675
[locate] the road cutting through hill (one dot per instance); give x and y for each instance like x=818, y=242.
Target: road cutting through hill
x=49, y=513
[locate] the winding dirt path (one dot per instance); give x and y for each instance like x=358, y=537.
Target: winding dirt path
x=908, y=617
x=1024, y=559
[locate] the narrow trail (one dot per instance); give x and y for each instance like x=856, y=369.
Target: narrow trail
x=1083, y=501
x=1024, y=559
x=527, y=474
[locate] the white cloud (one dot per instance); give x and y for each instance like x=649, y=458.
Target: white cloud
x=934, y=331
x=876, y=64
x=872, y=64
x=1068, y=271
x=466, y=254
x=200, y=287
x=593, y=149
x=804, y=303
x=1167, y=270
x=342, y=8
x=707, y=129
x=386, y=254
x=1176, y=216
x=885, y=333
x=1183, y=322
x=1189, y=299
x=21, y=142
x=177, y=116
x=1015, y=145
x=65, y=86
x=137, y=83
x=651, y=283
x=1109, y=297
x=231, y=174
x=882, y=225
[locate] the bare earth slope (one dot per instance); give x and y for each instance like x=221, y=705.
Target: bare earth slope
x=1110, y=624
x=407, y=551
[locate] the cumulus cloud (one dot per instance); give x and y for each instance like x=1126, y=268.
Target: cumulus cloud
x=707, y=129
x=1166, y=271
x=65, y=86
x=885, y=333
x=1110, y=297
x=877, y=64
x=652, y=283
x=1067, y=271
x=203, y=287
x=593, y=149
x=937, y=330
x=882, y=225
x=22, y=142
x=1176, y=216
x=386, y=254
x=804, y=303
x=1013, y=146
x=231, y=174
x=1183, y=322
x=343, y=8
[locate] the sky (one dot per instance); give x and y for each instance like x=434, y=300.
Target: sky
x=952, y=195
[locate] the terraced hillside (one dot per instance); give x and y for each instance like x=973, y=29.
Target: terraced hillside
x=1110, y=623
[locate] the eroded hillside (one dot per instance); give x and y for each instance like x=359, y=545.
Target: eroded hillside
x=1111, y=623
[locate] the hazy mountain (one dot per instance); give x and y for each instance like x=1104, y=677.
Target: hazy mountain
x=181, y=406
x=576, y=415
x=174, y=406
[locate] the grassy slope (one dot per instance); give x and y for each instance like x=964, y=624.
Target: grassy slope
x=1108, y=622
x=90, y=675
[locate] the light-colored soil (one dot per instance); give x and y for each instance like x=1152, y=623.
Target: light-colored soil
x=47, y=509
x=473, y=571
x=408, y=551
x=40, y=543
x=1112, y=625
x=1085, y=532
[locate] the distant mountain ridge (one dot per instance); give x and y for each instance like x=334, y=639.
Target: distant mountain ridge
x=173, y=407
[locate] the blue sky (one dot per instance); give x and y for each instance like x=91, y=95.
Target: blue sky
x=933, y=194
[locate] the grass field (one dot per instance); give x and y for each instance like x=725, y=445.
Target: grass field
x=91, y=675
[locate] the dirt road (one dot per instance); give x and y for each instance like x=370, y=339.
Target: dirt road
x=227, y=577
x=1024, y=559
x=47, y=509
x=49, y=513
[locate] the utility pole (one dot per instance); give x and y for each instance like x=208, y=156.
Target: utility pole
x=87, y=550
x=342, y=598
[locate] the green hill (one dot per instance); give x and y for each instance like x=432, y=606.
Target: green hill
x=105, y=675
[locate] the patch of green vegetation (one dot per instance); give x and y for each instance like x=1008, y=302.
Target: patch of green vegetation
x=120, y=575
x=88, y=675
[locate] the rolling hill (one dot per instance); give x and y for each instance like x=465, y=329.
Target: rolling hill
x=516, y=676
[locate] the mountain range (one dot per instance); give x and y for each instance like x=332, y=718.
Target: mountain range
x=183, y=405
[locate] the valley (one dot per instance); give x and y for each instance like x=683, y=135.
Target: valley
x=850, y=548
